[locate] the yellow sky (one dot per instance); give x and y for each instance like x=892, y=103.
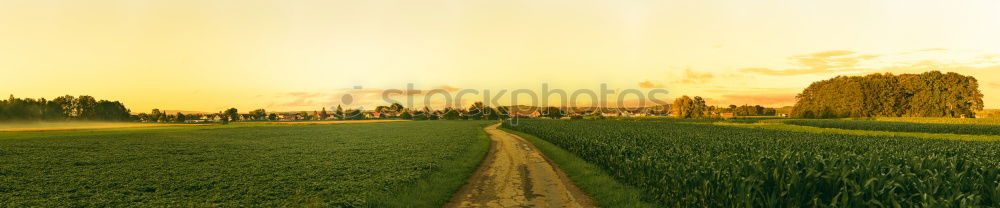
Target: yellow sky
x=301, y=55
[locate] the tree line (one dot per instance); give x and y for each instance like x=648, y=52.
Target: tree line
x=748, y=110
x=696, y=107
x=62, y=108
x=476, y=111
x=87, y=108
x=929, y=94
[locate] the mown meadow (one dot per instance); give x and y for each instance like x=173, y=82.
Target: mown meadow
x=684, y=164
x=377, y=164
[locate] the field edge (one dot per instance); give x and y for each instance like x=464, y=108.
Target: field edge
x=781, y=126
x=437, y=188
x=604, y=190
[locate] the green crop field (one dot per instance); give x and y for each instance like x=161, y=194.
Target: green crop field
x=680, y=164
x=971, y=129
x=417, y=163
x=942, y=120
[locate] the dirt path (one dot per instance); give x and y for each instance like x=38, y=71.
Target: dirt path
x=516, y=174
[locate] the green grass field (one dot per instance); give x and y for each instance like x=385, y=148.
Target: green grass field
x=684, y=164
x=942, y=120
x=891, y=126
x=15, y=125
x=379, y=164
x=777, y=125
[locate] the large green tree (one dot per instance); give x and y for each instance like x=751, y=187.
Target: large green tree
x=396, y=107
x=339, y=113
x=323, y=114
x=232, y=114
x=929, y=94
x=259, y=114
x=687, y=107
x=683, y=107
x=476, y=111
x=451, y=114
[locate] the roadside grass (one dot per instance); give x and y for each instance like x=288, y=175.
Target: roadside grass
x=778, y=125
x=437, y=188
x=604, y=190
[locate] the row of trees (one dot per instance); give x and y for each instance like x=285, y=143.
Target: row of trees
x=87, y=108
x=62, y=108
x=929, y=94
x=477, y=111
x=696, y=107
x=160, y=116
x=747, y=110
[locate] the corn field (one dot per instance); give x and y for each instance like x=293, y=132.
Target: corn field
x=679, y=164
x=972, y=129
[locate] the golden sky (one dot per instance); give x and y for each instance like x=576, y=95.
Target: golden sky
x=303, y=55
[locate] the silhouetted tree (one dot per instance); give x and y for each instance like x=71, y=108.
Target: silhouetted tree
x=503, y=112
x=491, y=113
x=323, y=115
x=476, y=111
x=339, y=113
x=396, y=108
x=451, y=114
x=406, y=115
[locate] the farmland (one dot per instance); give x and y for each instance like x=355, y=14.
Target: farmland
x=419, y=163
x=65, y=126
x=703, y=165
x=942, y=120
x=941, y=128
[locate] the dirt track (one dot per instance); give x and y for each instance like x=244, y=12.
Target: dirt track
x=516, y=174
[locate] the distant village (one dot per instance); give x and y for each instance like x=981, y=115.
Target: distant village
x=85, y=107
x=472, y=113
